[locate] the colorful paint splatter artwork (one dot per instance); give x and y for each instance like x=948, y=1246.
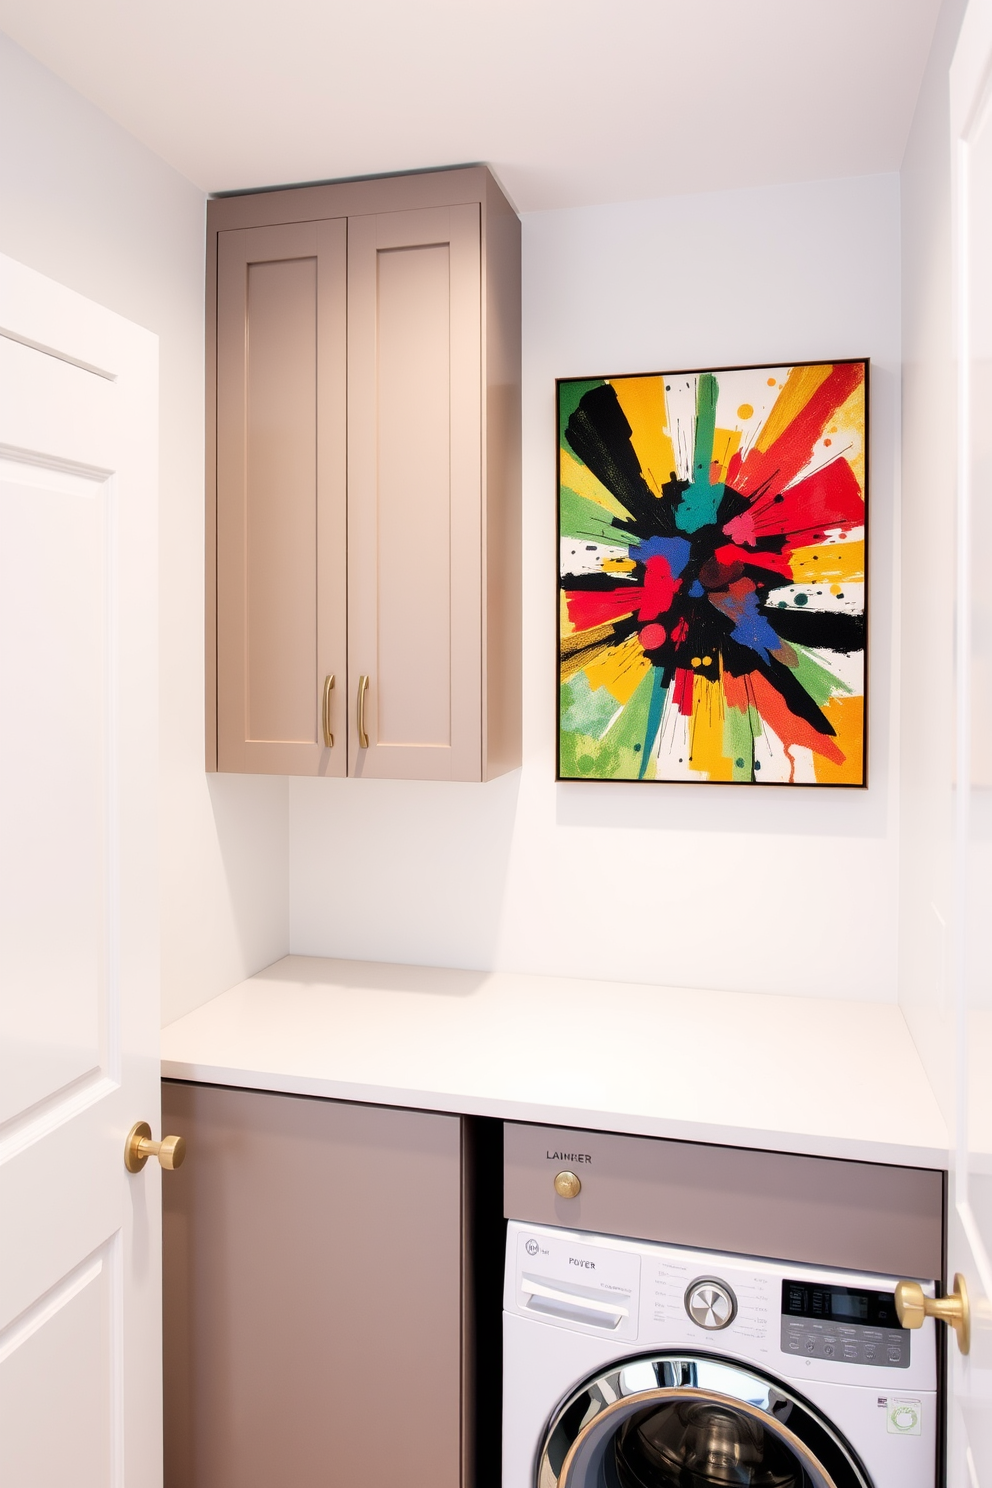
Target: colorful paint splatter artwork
x=712, y=579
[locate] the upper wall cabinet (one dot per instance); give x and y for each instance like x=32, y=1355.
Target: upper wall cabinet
x=363, y=529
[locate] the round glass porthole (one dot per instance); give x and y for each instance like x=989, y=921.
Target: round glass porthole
x=668, y=1421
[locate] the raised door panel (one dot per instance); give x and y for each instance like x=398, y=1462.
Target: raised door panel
x=313, y=1293
x=415, y=494
x=281, y=505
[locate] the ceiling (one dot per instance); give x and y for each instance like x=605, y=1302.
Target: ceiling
x=571, y=101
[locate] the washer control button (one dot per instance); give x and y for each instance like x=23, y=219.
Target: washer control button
x=710, y=1303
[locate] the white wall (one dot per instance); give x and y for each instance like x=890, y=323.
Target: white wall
x=928, y=569
x=82, y=201
x=779, y=889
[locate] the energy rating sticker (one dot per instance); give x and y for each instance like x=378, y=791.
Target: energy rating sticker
x=904, y=1417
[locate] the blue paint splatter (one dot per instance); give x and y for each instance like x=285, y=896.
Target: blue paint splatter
x=752, y=629
x=676, y=549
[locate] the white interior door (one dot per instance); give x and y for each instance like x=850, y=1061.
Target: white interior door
x=970, y=1234
x=80, y=1301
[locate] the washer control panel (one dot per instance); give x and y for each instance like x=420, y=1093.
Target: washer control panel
x=847, y=1325
x=710, y=1303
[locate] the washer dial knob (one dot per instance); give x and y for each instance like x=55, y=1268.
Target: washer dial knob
x=710, y=1303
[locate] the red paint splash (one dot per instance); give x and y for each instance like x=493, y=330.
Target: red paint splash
x=588, y=608
x=683, y=690
x=790, y=729
x=780, y=563
x=831, y=497
x=769, y=471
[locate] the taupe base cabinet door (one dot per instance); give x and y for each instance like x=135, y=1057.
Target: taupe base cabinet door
x=363, y=513
x=313, y=1294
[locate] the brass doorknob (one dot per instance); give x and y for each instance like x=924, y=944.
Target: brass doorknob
x=913, y=1305
x=567, y=1186
x=139, y=1147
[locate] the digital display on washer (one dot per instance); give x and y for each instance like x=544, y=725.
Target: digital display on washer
x=839, y=1304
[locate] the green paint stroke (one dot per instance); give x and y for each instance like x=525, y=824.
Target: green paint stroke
x=617, y=756
x=588, y=521
x=740, y=729
x=820, y=683
x=584, y=711
x=701, y=501
x=570, y=395
x=652, y=723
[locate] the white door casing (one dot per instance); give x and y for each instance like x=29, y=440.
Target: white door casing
x=80, y=1248
x=970, y=1228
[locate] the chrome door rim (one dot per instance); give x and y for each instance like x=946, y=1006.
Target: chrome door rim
x=602, y=1417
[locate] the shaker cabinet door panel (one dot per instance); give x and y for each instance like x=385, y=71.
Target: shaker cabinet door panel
x=414, y=494
x=281, y=505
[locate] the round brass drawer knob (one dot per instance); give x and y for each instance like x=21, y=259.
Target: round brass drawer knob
x=567, y=1186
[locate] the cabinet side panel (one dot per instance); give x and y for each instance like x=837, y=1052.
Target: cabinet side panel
x=502, y=573
x=818, y=1210
x=314, y=1334
x=210, y=508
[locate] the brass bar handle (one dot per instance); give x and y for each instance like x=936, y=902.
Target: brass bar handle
x=363, y=687
x=913, y=1306
x=325, y=712
x=139, y=1147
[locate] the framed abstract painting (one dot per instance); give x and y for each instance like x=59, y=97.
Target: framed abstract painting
x=712, y=575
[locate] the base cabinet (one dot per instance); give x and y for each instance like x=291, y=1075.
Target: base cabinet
x=314, y=1294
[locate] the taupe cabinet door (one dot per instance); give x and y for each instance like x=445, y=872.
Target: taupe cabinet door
x=414, y=493
x=281, y=484
x=313, y=1294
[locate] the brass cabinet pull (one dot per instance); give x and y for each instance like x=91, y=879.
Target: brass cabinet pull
x=912, y=1306
x=363, y=687
x=325, y=712
x=139, y=1147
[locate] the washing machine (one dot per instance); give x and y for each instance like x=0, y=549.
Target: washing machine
x=633, y=1364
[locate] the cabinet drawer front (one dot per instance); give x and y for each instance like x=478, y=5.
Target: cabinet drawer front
x=824, y=1211
x=414, y=491
x=281, y=508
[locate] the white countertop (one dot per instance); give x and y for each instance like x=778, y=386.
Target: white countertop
x=839, y=1079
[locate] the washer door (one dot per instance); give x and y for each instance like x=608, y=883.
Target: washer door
x=684, y=1421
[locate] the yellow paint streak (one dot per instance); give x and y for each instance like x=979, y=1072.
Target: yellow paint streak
x=846, y=716
x=706, y=730
x=570, y=664
x=799, y=387
x=836, y=563
x=618, y=565
x=575, y=640
x=726, y=443
x=620, y=670
x=580, y=479
x=643, y=401
x=848, y=433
